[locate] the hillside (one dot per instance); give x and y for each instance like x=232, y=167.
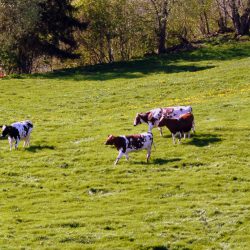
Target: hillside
x=64, y=192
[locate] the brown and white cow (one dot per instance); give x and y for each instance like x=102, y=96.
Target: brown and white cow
x=179, y=126
x=130, y=143
x=153, y=116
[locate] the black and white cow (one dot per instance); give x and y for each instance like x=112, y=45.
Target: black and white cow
x=126, y=144
x=17, y=131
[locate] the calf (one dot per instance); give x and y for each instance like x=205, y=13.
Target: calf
x=126, y=144
x=178, y=126
x=18, y=131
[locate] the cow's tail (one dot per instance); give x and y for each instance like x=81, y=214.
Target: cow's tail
x=153, y=143
x=193, y=126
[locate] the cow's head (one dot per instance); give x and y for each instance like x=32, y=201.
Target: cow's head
x=137, y=119
x=110, y=140
x=5, y=130
x=143, y=117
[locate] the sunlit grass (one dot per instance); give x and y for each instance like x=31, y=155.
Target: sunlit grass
x=64, y=192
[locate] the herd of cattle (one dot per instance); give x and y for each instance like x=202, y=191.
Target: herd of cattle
x=179, y=120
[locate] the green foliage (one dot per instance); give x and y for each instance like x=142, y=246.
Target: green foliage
x=64, y=192
x=36, y=28
x=17, y=19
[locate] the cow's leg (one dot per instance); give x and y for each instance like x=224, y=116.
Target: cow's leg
x=184, y=135
x=188, y=134
x=150, y=127
x=173, y=136
x=11, y=140
x=17, y=142
x=148, y=154
x=25, y=141
x=179, y=139
x=127, y=157
x=118, y=157
x=28, y=140
x=160, y=129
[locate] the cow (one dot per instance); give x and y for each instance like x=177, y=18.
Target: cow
x=179, y=126
x=130, y=143
x=177, y=111
x=17, y=131
x=153, y=116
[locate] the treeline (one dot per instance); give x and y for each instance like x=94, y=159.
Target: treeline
x=38, y=35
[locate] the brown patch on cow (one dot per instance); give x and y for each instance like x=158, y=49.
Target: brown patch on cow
x=186, y=116
x=150, y=116
x=167, y=112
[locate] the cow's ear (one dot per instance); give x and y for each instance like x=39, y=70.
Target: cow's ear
x=150, y=116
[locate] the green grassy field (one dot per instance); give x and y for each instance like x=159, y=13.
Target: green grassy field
x=64, y=192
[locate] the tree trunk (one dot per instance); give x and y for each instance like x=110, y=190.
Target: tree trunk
x=110, y=50
x=241, y=23
x=25, y=63
x=102, y=54
x=222, y=22
x=161, y=10
x=235, y=17
x=245, y=20
x=206, y=22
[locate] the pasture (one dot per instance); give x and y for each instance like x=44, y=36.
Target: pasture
x=64, y=192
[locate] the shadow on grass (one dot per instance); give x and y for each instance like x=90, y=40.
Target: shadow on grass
x=36, y=148
x=188, y=61
x=160, y=161
x=127, y=70
x=203, y=140
x=157, y=161
x=158, y=248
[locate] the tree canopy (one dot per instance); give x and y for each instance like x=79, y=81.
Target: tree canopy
x=103, y=31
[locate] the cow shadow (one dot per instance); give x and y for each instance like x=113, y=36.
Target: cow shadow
x=203, y=140
x=36, y=148
x=157, y=248
x=157, y=161
x=160, y=161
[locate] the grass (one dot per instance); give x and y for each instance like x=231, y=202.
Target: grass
x=64, y=192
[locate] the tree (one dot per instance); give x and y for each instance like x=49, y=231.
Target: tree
x=241, y=22
x=49, y=31
x=161, y=8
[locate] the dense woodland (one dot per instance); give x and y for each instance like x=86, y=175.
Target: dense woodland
x=41, y=35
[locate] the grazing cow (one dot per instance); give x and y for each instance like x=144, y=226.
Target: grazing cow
x=18, y=131
x=126, y=144
x=178, y=126
x=153, y=116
